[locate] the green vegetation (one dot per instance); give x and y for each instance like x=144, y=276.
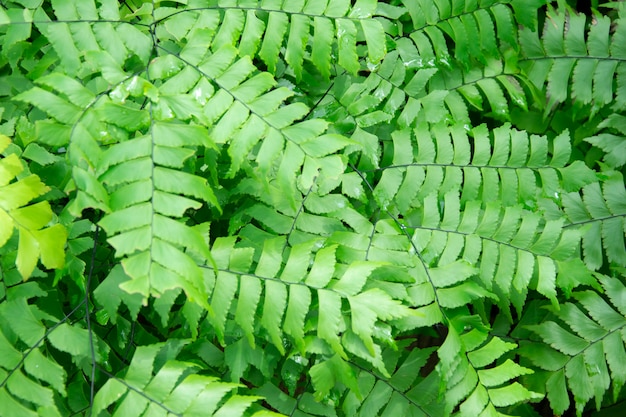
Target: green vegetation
x=312, y=208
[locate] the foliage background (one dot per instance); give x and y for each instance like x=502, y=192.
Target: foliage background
x=312, y=208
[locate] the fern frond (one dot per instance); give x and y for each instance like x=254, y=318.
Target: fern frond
x=290, y=33
x=461, y=250
x=576, y=59
x=472, y=27
x=350, y=388
x=613, y=145
x=478, y=378
x=599, y=213
x=502, y=166
x=587, y=345
x=75, y=34
x=38, y=239
x=142, y=230
x=156, y=383
x=38, y=347
x=411, y=90
x=286, y=306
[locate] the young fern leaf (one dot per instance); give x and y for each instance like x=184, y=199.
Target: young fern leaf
x=37, y=240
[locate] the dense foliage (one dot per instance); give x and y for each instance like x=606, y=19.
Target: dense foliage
x=312, y=208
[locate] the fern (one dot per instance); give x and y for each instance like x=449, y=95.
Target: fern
x=39, y=346
x=35, y=241
x=612, y=144
x=156, y=383
x=337, y=208
x=589, y=54
x=584, y=341
x=600, y=213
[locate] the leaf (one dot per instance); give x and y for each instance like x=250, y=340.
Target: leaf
x=57, y=107
x=325, y=145
x=46, y=369
x=225, y=287
x=273, y=309
x=488, y=353
x=451, y=274
x=72, y=340
x=324, y=375
x=24, y=388
x=110, y=295
x=501, y=373
x=297, y=309
x=323, y=267
x=559, y=338
x=369, y=306
x=375, y=36
x=311, y=197
x=547, y=278
x=24, y=322
x=330, y=319
x=296, y=45
x=248, y=299
x=322, y=44
x=9, y=405
x=355, y=277
x=272, y=41
x=346, y=39
x=511, y=394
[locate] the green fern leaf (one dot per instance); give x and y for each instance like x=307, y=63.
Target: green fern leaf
x=590, y=347
x=276, y=28
x=482, y=387
x=373, y=222
x=273, y=309
x=603, y=204
x=325, y=374
x=588, y=75
x=172, y=387
x=110, y=295
x=35, y=240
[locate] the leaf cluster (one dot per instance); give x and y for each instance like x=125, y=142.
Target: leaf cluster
x=312, y=208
